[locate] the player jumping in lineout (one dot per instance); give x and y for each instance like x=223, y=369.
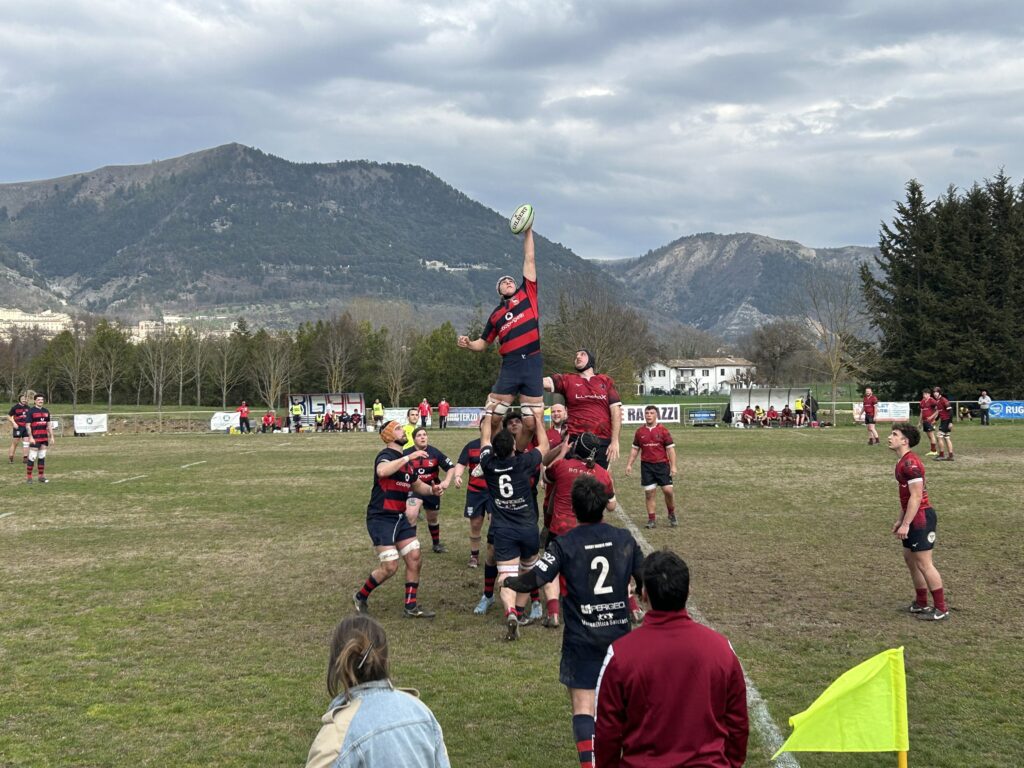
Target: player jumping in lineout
x=515, y=322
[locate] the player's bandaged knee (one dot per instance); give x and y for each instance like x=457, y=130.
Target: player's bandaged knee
x=508, y=570
x=412, y=546
x=41, y=453
x=387, y=555
x=496, y=407
x=524, y=567
x=32, y=453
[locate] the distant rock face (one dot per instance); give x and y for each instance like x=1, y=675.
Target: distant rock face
x=729, y=284
x=234, y=227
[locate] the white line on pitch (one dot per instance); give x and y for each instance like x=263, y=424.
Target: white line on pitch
x=193, y=464
x=6, y=514
x=137, y=477
x=757, y=707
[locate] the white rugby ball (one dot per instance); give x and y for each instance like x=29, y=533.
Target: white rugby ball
x=522, y=219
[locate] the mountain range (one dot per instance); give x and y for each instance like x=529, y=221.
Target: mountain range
x=235, y=230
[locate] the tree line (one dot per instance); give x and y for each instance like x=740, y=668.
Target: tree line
x=379, y=348
x=947, y=296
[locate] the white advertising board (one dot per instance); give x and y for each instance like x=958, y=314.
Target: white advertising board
x=90, y=423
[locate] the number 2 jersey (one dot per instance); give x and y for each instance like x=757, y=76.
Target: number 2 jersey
x=597, y=561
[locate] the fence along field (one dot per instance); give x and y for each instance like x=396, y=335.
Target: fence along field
x=167, y=598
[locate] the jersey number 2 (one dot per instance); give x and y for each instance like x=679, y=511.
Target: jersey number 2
x=601, y=565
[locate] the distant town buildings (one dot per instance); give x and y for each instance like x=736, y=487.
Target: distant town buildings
x=50, y=323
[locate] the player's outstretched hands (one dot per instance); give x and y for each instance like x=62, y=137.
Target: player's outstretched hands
x=417, y=455
x=463, y=341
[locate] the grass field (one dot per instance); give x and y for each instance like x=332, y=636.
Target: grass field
x=167, y=599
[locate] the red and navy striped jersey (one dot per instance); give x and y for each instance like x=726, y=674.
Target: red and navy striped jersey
x=516, y=322
x=428, y=469
x=19, y=412
x=470, y=458
x=38, y=422
x=389, y=494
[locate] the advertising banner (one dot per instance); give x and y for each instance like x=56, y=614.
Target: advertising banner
x=90, y=423
x=223, y=420
x=634, y=414
x=1006, y=409
x=465, y=418
x=883, y=412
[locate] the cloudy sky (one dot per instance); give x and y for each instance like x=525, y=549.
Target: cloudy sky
x=626, y=123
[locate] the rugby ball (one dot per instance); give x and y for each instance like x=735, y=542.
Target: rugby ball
x=522, y=219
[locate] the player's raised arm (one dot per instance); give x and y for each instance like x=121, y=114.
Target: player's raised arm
x=529, y=262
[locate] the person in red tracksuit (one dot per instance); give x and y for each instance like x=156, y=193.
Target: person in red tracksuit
x=671, y=692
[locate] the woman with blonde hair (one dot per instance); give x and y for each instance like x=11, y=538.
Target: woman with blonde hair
x=370, y=722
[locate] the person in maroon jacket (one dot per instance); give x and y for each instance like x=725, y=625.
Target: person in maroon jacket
x=671, y=692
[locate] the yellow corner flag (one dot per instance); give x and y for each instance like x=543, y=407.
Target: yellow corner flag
x=865, y=710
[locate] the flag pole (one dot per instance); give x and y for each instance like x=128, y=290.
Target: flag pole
x=901, y=760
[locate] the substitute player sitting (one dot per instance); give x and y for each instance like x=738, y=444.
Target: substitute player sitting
x=657, y=451
x=513, y=511
x=597, y=561
x=515, y=322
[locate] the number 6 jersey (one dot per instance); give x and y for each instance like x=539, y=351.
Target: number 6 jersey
x=509, y=483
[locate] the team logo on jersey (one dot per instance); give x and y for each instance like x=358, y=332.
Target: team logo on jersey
x=931, y=537
x=513, y=301
x=509, y=315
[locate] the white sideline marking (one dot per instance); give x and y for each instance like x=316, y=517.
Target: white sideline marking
x=137, y=477
x=6, y=514
x=193, y=464
x=756, y=706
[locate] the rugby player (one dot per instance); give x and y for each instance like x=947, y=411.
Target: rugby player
x=593, y=402
x=40, y=436
x=870, y=404
x=916, y=525
x=476, y=506
x=565, y=463
x=657, y=451
x=428, y=470
x=928, y=415
x=390, y=520
x=513, y=510
x=944, y=413
x=597, y=561
x=19, y=433
x=515, y=323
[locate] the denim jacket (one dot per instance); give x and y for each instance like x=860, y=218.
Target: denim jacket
x=377, y=725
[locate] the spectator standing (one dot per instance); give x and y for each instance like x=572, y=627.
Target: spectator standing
x=798, y=410
x=671, y=692
x=984, y=403
x=378, y=414
x=424, y=409
x=369, y=721
x=296, y=414
x=442, y=413
x=243, y=418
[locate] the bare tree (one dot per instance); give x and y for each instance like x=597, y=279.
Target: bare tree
x=338, y=348
x=200, y=358
x=226, y=365
x=835, y=314
x=182, y=341
x=588, y=317
x=396, y=363
x=16, y=356
x=779, y=350
x=110, y=355
x=155, y=356
x=70, y=360
x=684, y=342
x=272, y=365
